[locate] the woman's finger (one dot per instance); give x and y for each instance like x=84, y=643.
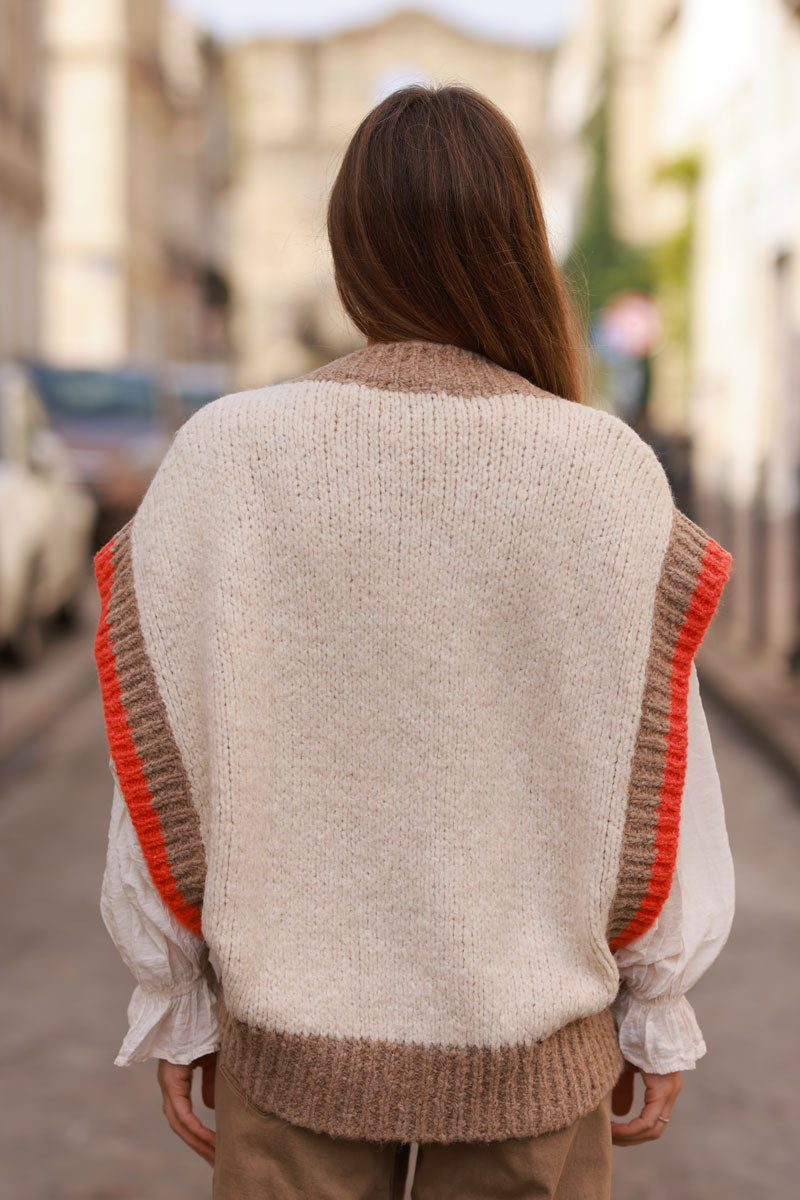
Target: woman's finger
x=670, y=1104
x=661, y=1092
x=644, y=1123
x=187, y=1134
x=182, y=1106
x=175, y=1082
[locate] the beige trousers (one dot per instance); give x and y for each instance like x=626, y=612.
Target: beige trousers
x=260, y=1156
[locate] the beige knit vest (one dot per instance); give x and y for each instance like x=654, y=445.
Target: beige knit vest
x=394, y=658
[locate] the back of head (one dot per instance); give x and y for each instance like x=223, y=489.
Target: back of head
x=437, y=233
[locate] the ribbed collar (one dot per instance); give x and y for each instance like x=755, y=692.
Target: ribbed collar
x=424, y=366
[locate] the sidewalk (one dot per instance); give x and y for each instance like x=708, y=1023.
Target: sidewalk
x=769, y=705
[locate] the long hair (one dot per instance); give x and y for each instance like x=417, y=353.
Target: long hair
x=437, y=233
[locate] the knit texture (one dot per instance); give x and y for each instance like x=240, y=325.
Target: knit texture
x=394, y=658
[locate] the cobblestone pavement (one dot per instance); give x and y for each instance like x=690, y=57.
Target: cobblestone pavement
x=75, y=1126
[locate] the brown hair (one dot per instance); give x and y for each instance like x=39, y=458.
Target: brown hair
x=437, y=233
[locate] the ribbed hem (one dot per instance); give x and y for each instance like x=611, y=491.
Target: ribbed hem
x=693, y=575
x=149, y=767
x=399, y=1091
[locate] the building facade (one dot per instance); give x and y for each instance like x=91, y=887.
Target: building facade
x=133, y=264
x=745, y=382
x=719, y=102
x=21, y=167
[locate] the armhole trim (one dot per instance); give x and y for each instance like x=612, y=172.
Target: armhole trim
x=149, y=768
x=693, y=576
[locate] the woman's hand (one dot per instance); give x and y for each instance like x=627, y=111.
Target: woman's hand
x=176, y=1090
x=660, y=1094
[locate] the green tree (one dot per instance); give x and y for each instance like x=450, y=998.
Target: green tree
x=601, y=263
x=671, y=258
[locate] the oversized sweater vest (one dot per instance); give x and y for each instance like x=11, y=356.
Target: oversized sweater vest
x=394, y=659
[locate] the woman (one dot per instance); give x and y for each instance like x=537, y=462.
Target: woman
x=415, y=807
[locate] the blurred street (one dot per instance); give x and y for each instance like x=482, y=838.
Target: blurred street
x=78, y=1127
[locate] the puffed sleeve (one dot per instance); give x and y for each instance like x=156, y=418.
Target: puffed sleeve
x=658, y=1031
x=172, y=1012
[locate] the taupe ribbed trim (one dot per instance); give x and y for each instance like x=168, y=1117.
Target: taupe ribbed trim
x=692, y=576
x=417, y=365
x=161, y=762
x=399, y=1091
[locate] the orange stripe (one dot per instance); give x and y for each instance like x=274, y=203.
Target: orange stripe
x=713, y=573
x=130, y=771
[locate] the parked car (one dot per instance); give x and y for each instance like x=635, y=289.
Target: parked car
x=117, y=424
x=46, y=520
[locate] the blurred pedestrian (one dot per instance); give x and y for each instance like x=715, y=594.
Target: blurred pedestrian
x=416, y=832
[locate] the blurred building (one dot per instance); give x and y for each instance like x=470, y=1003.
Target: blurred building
x=21, y=190
x=745, y=385
x=572, y=94
x=295, y=103
x=706, y=174
x=136, y=159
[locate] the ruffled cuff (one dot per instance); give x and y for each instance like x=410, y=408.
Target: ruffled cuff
x=177, y=1026
x=658, y=1036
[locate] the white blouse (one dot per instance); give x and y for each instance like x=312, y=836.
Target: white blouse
x=172, y=1015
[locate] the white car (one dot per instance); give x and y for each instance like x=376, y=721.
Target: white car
x=46, y=520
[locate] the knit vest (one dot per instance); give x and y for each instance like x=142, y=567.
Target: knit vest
x=394, y=659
